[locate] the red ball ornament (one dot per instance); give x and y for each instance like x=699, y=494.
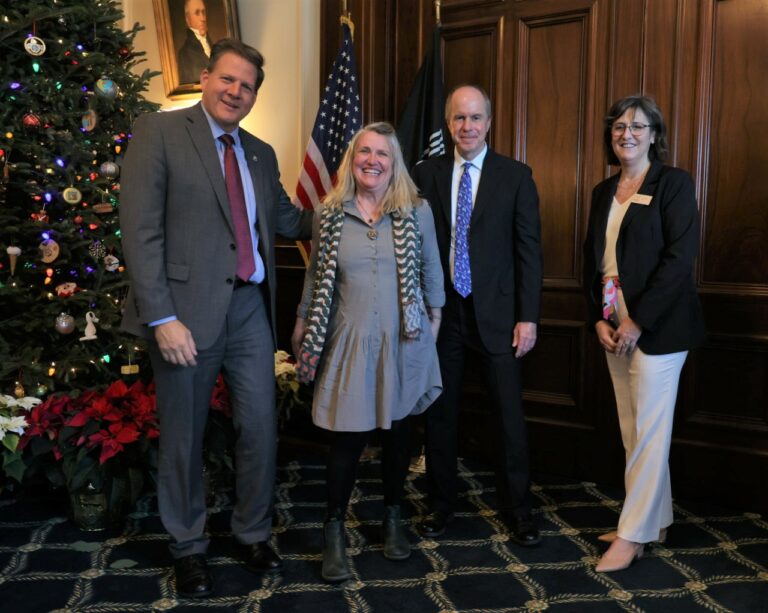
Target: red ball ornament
x=78, y=219
x=31, y=121
x=124, y=52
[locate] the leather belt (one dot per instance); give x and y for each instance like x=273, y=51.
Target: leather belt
x=240, y=283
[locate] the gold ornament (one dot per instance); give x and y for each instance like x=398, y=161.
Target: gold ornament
x=34, y=46
x=19, y=391
x=72, y=195
x=49, y=250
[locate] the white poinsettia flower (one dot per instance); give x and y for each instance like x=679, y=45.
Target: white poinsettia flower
x=28, y=402
x=12, y=424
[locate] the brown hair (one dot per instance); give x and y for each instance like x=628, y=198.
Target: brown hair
x=650, y=109
x=248, y=53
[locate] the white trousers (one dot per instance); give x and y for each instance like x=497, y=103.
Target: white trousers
x=646, y=391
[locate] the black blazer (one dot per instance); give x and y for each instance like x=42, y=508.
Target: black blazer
x=656, y=250
x=504, y=242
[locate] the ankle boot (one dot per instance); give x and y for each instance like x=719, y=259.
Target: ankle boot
x=396, y=545
x=335, y=563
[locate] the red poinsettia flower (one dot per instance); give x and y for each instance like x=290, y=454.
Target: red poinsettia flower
x=113, y=439
x=220, y=398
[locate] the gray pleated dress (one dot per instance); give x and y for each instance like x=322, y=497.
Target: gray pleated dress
x=369, y=375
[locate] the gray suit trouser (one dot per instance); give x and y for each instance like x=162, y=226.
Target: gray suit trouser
x=244, y=353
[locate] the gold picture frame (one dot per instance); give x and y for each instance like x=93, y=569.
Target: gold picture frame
x=180, y=58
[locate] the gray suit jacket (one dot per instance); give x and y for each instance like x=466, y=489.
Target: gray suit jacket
x=177, y=233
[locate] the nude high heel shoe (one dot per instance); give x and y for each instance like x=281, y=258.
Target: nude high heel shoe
x=619, y=556
x=609, y=537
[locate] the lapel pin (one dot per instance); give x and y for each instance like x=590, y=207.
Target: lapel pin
x=255, y=158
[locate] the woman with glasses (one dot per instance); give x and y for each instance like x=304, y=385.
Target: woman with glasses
x=642, y=240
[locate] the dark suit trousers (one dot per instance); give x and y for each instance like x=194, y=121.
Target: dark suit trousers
x=244, y=352
x=458, y=338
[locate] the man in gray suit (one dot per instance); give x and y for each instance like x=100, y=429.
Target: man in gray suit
x=201, y=202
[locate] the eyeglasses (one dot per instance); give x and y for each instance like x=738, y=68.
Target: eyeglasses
x=635, y=128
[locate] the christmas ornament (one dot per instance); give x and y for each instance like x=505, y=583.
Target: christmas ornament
x=19, y=390
x=109, y=169
x=72, y=195
x=89, y=120
x=65, y=290
x=34, y=46
x=13, y=255
x=124, y=52
x=30, y=121
x=106, y=88
x=42, y=216
x=40, y=389
x=90, y=327
x=49, y=250
x=102, y=207
x=97, y=250
x=129, y=369
x=65, y=323
x=111, y=263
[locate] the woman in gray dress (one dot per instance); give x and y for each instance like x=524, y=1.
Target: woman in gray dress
x=366, y=327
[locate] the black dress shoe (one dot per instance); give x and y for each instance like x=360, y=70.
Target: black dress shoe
x=524, y=531
x=434, y=524
x=261, y=558
x=192, y=577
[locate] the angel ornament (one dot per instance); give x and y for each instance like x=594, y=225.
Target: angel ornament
x=90, y=326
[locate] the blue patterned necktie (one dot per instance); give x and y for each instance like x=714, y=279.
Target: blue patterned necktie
x=462, y=277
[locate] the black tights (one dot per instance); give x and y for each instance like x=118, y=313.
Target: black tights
x=344, y=457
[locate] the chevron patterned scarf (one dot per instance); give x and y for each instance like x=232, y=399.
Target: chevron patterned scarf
x=405, y=231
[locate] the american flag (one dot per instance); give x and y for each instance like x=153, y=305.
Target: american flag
x=338, y=118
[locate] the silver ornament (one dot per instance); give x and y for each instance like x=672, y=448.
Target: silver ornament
x=65, y=323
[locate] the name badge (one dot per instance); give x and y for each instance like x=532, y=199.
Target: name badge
x=643, y=199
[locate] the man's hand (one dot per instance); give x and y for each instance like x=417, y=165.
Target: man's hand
x=523, y=337
x=176, y=343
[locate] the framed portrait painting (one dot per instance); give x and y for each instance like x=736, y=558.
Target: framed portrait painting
x=186, y=30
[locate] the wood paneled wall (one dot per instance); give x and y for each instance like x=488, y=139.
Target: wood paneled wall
x=552, y=68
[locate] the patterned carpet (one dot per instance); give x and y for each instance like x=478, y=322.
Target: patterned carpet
x=713, y=560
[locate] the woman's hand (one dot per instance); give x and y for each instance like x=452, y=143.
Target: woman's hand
x=626, y=335
x=435, y=315
x=299, y=330
x=605, y=335
x=620, y=341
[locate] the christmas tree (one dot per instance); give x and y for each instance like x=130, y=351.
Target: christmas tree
x=69, y=95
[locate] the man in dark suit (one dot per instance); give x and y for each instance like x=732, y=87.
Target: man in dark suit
x=196, y=50
x=488, y=230
x=201, y=202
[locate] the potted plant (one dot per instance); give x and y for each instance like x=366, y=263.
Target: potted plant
x=98, y=444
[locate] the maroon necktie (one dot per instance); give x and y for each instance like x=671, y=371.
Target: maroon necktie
x=246, y=265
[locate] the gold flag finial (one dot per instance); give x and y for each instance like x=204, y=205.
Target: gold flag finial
x=437, y=11
x=346, y=17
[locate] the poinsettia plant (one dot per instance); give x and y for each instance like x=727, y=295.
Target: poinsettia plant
x=93, y=435
x=13, y=422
